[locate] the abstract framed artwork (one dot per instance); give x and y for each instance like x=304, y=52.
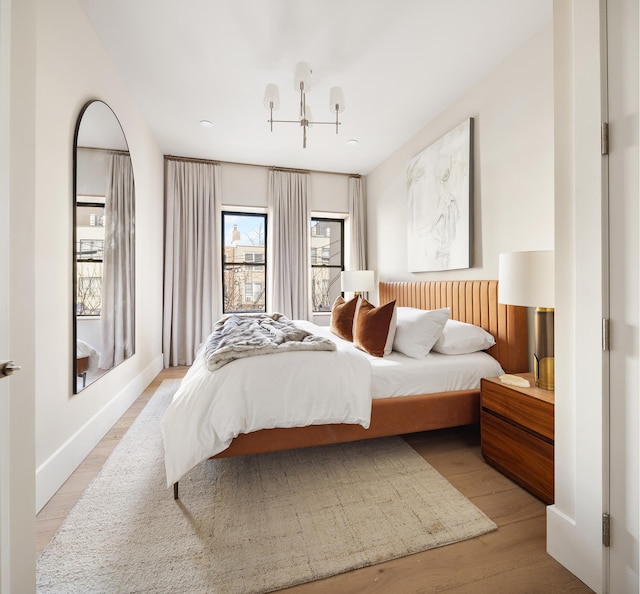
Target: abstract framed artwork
x=440, y=188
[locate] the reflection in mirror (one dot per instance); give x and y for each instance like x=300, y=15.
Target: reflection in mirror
x=104, y=246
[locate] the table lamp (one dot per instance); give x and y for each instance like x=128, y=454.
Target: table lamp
x=527, y=279
x=357, y=281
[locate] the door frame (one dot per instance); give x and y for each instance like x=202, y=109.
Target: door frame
x=574, y=522
x=623, y=88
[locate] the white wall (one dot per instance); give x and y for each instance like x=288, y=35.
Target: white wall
x=72, y=68
x=513, y=164
x=243, y=185
x=247, y=185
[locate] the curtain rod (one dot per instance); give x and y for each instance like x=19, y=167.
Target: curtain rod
x=274, y=167
x=95, y=148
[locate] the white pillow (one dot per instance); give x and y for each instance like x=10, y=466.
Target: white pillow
x=417, y=330
x=459, y=338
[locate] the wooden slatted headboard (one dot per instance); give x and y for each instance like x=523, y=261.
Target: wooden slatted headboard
x=474, y=302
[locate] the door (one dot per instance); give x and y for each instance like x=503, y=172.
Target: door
x=5, y=556
x=4, y=349
x=4, y=309
x=17, y=291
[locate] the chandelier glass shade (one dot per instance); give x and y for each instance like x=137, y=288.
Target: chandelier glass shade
x=302, y=83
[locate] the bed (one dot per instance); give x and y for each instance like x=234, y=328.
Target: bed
x=86, y=360
x=474, y=302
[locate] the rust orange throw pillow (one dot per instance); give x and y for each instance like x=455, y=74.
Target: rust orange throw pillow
x=375, y=328
x=342, y=316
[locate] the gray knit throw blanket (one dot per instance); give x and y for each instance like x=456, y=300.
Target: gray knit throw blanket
x=246, y=335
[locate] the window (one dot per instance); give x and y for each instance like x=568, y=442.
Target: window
x=253, y=291
x=89, y=254
x=327, y=261
x=253, y=257
x=244, y=261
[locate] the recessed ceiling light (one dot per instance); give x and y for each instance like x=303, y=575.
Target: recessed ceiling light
x=206, y=124
x=352, y=142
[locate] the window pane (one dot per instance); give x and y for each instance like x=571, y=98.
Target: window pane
x=89, y=288
x=244, y=288
x=243, y=234
x=326, y=242
x=325, y=287
x=326, y=262
x=244, y=271
x=89, y=256
x=90, y=216
x=90, y=249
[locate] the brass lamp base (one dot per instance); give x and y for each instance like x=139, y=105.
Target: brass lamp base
x=544, y=372
x=543, y=358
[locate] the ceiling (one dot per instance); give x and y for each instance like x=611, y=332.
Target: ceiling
x=399, y=63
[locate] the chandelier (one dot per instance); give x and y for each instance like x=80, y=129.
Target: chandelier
x=302, y=83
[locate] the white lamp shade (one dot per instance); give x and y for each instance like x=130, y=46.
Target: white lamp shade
x=336, y=97
x=527, y=278
x=271, y=95
x=302, y=75
x=352, y=281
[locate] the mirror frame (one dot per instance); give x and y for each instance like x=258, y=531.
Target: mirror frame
x=74, y=295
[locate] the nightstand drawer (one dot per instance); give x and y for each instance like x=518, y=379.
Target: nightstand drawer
x=519, y=408
x=518, y=454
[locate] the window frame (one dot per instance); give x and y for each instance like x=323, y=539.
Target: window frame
x=327, y=219
x=240, y=213
x=90, y=202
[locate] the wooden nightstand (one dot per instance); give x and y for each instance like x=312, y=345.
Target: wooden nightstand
x=517, y=433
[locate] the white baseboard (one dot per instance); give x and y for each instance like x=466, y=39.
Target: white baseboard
x=52, y=473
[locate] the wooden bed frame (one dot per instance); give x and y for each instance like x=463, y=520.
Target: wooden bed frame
x=475, y=302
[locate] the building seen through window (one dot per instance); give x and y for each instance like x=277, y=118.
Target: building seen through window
x=244, y=262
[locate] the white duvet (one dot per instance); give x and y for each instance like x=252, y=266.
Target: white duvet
x=290, y=389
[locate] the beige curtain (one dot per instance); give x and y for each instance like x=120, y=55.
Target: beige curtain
x=288, y=244
x=192, y=269
x=358, y=224
x=118, y=269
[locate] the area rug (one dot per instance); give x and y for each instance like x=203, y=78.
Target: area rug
x=252, y=524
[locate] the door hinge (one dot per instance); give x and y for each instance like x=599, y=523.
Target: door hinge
x=606, y=529
x=606, y=340
x=604, y=138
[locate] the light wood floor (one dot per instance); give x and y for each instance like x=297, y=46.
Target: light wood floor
x=511, y=560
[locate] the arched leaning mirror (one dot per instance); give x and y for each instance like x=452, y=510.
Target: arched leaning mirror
x=103, y=246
